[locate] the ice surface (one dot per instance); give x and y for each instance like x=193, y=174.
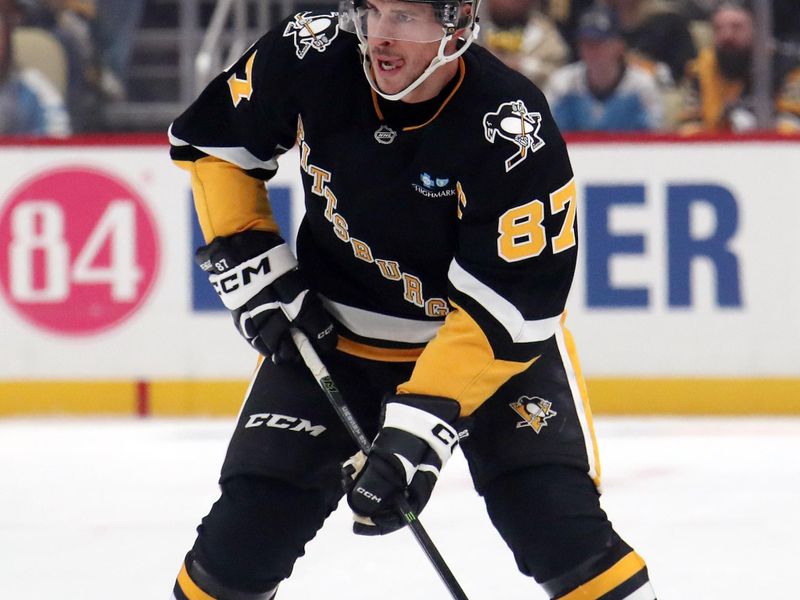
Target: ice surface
x=102, y=509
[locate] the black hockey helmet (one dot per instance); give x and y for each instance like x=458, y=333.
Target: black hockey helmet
x=448, y=16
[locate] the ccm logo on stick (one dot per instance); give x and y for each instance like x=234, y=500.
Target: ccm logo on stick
x=285, y=422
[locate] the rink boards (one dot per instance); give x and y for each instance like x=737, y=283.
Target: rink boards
x=685, y=300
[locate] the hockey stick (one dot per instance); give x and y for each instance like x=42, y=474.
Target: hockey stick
x=334, y=396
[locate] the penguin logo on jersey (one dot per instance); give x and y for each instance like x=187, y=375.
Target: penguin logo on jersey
x=534, y=412
x=512, y=122
x=317, y=32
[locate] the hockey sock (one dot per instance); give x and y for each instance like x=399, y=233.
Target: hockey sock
x=195, y=583
x=608, y=576
x=550, y=516
x=257, y=529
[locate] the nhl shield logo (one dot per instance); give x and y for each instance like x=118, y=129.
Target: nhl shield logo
x=534, y=412
x=317, y=32
x=512, y=122
x=385, y=134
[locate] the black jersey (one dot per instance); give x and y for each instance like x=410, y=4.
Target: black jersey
x=443, y=231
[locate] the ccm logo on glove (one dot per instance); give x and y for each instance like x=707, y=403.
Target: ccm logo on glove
x=240, y=283
x=258, y=279
x=243, y=275
x=367, y=494
x=446, y=434
x=415, y=441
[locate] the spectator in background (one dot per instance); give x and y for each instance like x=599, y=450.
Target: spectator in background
x=565, y=14
x=658, y=30
x=785, y=16
x=602, y=91
x=698, y=10
x=70, y=21
x=524, y=38
x=114, y=28
x=29, y=104
x=718, y=90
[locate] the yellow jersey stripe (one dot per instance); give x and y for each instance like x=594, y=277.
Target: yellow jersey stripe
x=377, y=353
x=214, y=183
x=576, y=379
x=623, y=569
x=459, y=363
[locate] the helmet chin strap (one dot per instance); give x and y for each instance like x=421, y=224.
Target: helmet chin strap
x=440, y=59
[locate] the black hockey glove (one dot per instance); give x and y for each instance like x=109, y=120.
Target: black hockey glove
x=257, y=277
x=415, y=441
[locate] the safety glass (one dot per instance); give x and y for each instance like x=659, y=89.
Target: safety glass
x=400, y=20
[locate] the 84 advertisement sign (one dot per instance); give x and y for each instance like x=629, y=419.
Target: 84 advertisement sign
x=79, y=251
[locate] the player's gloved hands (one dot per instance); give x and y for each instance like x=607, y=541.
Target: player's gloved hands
x=257, y=277
x=415, y=441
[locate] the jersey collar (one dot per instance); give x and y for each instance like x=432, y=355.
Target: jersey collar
x=443, y=99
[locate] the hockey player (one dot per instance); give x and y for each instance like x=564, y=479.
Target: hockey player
x=433, y=265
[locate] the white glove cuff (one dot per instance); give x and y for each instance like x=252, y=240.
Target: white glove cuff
x=240, y=284
x=438, y=434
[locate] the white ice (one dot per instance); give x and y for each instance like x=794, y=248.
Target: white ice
x=104, y=509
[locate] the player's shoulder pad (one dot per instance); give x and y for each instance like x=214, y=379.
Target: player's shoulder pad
x=287, y=57
x=509, y=114
x=296, y=41
x=312, y=34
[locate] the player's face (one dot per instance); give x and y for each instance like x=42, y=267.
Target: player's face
x=397, y=65
x=403, y=39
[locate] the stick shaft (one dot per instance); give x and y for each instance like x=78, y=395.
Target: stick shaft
x=323, y=378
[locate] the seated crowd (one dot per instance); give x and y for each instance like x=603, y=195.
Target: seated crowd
x=63, y=60
x=605, y=65
x=648, y=65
